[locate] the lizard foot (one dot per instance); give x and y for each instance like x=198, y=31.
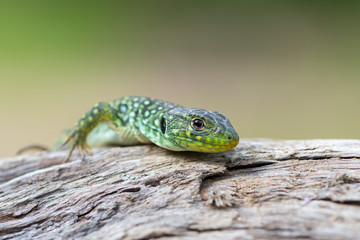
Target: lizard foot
x=77, y=140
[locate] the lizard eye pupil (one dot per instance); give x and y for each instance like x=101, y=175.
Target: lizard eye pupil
x=197, y=124
x=163, y=125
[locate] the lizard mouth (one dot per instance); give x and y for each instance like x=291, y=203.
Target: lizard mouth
x=234, y=143
x=221, y=145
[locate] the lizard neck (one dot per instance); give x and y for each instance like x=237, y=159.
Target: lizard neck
x=142, y=118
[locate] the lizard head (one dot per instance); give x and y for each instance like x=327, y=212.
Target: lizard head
x=193, y=129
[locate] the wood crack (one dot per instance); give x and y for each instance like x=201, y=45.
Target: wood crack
x=261, y=190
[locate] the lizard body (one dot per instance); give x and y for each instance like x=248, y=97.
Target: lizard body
x=143, y=120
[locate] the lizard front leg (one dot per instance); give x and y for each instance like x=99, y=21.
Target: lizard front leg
x=77, y=139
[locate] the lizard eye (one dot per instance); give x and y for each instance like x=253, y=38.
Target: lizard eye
x=163, y=125
x=197, y=124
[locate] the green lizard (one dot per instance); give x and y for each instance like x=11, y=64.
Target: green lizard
x=142, y=120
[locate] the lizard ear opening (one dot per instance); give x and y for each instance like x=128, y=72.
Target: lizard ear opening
x=163, y=125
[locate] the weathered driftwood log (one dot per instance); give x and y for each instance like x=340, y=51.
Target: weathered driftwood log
x=263, y=189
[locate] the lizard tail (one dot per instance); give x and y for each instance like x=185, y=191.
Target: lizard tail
x=31, y=148
x=57, y=145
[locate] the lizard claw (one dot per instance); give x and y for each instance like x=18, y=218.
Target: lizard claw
x=77, y=140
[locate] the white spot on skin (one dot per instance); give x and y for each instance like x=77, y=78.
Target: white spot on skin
x=156, y=122
x=123, y=109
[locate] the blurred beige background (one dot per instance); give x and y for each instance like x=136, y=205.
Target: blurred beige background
x=279, y=69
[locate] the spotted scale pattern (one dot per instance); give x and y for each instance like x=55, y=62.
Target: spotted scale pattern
x=142, y=120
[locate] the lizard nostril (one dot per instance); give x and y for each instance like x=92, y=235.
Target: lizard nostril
x=229, y=137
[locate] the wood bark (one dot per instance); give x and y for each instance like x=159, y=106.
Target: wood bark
x=264, y=189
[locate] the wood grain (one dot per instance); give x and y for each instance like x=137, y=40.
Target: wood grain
x=264, y=189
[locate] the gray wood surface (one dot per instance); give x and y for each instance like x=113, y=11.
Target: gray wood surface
x=264, y=189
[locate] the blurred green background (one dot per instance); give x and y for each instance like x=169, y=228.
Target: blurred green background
x=277, y=69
